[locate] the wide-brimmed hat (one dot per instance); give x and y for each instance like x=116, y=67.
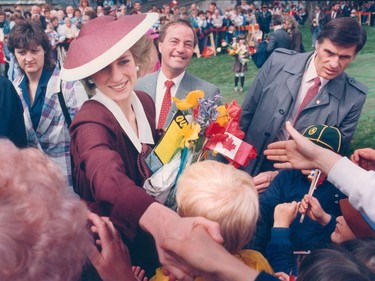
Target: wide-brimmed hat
x=325, y=136
x=356, y=221
x=103, y=40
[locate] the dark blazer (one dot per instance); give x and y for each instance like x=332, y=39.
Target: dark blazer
x=12, y=125
x=106, y=176
x=338, y=15
x=278, y=39
x=322, y=20
x=296, y=40
x=264, y=21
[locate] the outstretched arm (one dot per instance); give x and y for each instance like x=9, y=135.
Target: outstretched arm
x=210, y=259
x=164, y=225
x=301, y=153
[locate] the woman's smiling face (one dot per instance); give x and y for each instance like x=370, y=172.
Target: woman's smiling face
x=118, y=79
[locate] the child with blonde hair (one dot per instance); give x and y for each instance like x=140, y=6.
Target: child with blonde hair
x=226, y=195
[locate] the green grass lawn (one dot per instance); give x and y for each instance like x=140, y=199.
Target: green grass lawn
x=218, y=70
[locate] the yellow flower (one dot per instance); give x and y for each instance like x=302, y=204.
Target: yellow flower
x=189, y=133
x=191, y=100
x=223, y=117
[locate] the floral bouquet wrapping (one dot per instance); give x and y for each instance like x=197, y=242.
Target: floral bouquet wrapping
x=199, y=126
x=235, y=49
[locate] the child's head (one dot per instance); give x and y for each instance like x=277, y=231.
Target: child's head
x=221, y=193
x=49, y=27
x=363, y=249
x=241, y=39
x=352, y=224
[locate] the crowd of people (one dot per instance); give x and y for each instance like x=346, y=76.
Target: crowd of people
x=81, y=119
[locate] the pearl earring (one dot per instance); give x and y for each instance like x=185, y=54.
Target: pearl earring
x=137, y=68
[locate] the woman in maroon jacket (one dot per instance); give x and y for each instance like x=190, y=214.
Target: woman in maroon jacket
x=111, y=133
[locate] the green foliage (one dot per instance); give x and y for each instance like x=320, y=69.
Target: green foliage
x=218, y=70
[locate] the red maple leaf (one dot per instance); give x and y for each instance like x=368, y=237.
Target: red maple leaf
x=228, y=144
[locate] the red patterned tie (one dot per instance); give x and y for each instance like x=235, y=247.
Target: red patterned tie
x=311, y=93
x=166, y=105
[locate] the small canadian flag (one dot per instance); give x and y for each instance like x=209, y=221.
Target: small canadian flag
x=235, y=149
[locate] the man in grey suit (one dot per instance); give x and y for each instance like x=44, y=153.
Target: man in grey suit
x=177, y=40
x=280, y=88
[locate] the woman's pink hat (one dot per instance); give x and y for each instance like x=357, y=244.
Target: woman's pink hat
x=101, y=41
x=355, y=220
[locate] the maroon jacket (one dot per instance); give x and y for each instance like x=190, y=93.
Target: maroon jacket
x=105, y=172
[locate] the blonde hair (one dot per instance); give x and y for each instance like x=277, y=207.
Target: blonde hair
x=43, y=233
x=221, y=193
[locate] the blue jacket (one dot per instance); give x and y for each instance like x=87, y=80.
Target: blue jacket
x=288, y=186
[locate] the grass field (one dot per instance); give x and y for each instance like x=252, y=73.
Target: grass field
x=218, y=70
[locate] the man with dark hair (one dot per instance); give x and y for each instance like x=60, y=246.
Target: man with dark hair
x=177, y=40
x=264, y=18
x=279, y=38
x=335, y=12
x=318, y=20
x=305, y=89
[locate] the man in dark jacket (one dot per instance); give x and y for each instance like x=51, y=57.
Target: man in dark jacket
x=264, y=18
x=279, y=38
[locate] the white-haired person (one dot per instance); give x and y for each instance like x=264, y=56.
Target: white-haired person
x=353, y=180
x=223, y=194
x=111, y=135
x=43, y=225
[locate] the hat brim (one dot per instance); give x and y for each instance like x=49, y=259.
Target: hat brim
x=101, y=41
x=355, y=221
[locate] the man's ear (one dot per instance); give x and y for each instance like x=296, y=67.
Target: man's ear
x=159, y=46
x=316, y=45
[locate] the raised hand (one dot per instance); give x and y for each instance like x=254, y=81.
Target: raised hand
x=285, y=213
x=365, y=158
x=312, y=208
x=112, y=262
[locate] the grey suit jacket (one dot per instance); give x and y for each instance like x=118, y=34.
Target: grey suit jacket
x=272, y=95
x=279, y=39
x=188, y=83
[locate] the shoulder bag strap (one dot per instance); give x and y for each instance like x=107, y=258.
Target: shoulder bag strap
x=65, y=111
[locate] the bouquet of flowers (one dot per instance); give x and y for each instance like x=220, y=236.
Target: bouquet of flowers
x=202, y=126
x=235, y=49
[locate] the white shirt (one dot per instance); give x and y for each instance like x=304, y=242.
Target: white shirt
x=317, y=18
x=357, y=183
x=160, y=90
x=306, y=83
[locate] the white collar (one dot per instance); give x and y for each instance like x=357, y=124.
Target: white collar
x=144, y=128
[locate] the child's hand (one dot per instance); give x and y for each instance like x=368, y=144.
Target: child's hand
x=311, y=207
x=285, y=213
x=282, y=276
x=139, y=273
